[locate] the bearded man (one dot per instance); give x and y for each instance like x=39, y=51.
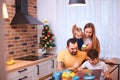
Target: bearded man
x=70, y=58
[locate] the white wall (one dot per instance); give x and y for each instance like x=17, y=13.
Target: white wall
x=46, y=10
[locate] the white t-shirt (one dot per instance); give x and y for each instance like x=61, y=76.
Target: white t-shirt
x=99, y=65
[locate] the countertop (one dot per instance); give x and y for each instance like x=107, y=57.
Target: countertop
x=19, y=64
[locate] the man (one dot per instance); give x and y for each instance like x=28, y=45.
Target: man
x=71, y=58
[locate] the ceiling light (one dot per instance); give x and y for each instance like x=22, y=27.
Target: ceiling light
x=76, y=2
x=4, y=10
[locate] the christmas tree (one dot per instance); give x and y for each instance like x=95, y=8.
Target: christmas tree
x=47, y=41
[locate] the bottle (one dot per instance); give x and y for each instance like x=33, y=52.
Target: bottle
x=10, y=60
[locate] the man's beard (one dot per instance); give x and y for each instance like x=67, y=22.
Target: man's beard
x=73, y=53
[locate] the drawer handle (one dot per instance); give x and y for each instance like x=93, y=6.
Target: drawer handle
x=37, y=69
x=52, y=63
x=22, y=70
x=23, y=78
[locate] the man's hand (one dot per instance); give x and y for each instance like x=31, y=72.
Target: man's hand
x=60, y=66
x=74, y=67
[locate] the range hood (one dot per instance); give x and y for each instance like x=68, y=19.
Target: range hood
x=21, y=16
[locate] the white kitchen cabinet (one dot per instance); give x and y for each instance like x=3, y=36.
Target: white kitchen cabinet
x=45, y=68
x=27, y=73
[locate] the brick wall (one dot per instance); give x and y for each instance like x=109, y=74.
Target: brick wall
x=20, y=40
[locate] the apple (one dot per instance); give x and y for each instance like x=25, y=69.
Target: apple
x=84, y=46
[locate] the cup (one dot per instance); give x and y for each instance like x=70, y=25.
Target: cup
x=88, y=77
x=76, y=78
x=57, y=76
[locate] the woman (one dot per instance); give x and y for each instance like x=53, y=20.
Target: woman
x=90, y=39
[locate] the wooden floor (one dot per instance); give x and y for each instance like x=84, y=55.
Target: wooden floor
x=45, y=77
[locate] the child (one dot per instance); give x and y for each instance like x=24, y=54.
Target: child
x=77, y=34
x=93, y=62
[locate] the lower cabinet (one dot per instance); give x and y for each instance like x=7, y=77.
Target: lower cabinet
x=40, y=71
x=27, y=73
x=45, y=69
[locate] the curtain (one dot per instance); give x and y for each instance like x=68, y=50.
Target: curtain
x=104, y=14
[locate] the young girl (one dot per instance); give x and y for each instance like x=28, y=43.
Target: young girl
x=77, y=34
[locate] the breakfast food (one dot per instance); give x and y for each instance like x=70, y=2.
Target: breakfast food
x=67, y=75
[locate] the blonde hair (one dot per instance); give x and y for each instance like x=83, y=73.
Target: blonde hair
x=75, y=28
x=95, y=41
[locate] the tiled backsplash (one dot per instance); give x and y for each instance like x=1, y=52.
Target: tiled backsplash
x=22, y=39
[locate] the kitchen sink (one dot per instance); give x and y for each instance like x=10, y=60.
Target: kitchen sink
x=32, y=57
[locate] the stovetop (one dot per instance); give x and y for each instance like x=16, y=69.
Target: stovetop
x=31, y=58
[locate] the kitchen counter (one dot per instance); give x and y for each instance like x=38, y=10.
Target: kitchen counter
x=19, y=64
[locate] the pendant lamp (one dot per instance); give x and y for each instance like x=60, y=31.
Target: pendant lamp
x=76, y=2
